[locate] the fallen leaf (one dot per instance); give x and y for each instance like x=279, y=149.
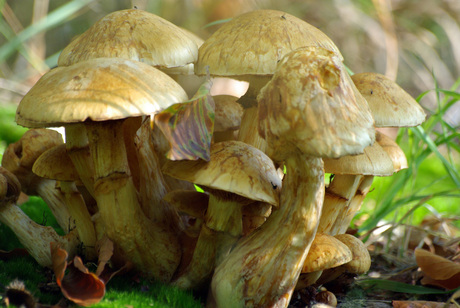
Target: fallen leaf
x=437, y=270
x=78, y=285
x=104, y=249
x=420, y=304
x=189, y=126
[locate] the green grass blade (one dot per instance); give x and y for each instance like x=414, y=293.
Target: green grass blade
x=420, y=133
x=399, y=287
x=53, y=19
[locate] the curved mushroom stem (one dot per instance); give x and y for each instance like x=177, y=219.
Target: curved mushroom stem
x=263, y=268
x=34, y=237
x=338, y=195
x=347, y=213
x=149, y=246
x=248, y=132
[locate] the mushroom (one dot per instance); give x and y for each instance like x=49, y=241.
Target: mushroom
x=248, y=48
x=325, y=252
x=98, y=94
x=19, y=158
x=307, y=111
x=237, y=175
x=55, y=164
x=359, y=264
x=391, y=106
x=34, y=237
x=133, y=34
x=228, y=115
x=349, y=173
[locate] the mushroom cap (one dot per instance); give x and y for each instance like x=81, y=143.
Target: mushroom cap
x=326, y=252
x=235, y=167
x=393, y=150
x=253, y=43
x=10, y=187
x=374, y=161
x=310, y=105
x=361, y=261
x=135, y=35
x=391, y=106
x=227, y=114
x=55, y=164
x=97, y=89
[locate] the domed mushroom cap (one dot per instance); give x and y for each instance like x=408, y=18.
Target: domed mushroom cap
x=98, y=89
x=374, y=161
x=391, y=106
x=136, y=35
x=361, y=261
x=253, y=43
x=234, y=167
x=393, y=150
x=227, y=114
x=309, y=104
x=55, y=164
x=326, y=252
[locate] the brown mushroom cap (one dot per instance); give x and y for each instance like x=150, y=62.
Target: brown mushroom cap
x=55, y=164
x=361, y=261
x=97, y=89
x=227, y=114
x=136, y=35
x=234, y=167
x=326, y=252
x=393, y=150
x=253, y=43
x=310, y=104
x=391, y=106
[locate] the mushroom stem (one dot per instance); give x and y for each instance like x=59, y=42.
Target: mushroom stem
x=248, y=132
x=339, y=193
x=152, y=185
x=78, y=149
x=78, y=210
x=346, y=214
x=34, y=237
x=263, y=268
x=149, y=246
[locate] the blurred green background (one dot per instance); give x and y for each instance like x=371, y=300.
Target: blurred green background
x=415, y=43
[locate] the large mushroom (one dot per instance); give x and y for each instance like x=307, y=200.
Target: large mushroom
x=237, y=175
x=98, y=94
x=248, y=48
x=308, y=110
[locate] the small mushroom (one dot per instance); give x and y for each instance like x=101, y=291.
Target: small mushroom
x=360, y=263
x=34, y=237
x=237, y=175
x=325, y=252
x=19, y=158
x=55, y=164
x=228, y=115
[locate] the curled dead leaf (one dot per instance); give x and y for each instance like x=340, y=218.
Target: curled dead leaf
x=78, y=285
x=438, y=271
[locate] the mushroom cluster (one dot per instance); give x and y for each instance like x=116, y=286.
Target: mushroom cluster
x=254, y=233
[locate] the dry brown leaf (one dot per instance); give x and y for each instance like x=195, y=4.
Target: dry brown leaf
x=419, y=304
x=437, y=270
x=78, y=285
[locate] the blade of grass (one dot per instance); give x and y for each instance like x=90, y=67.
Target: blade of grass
x=53, y=19
x=399, y=287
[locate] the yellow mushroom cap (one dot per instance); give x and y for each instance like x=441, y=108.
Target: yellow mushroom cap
x=136, y=35
x=234, y=167
x=253, y=43
x=361, y=261
x=97, y=89
x=227, y=113
x=393, y=150
x=326, y=252
x=310, y=105
x=391, y=106
x=56, y=164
